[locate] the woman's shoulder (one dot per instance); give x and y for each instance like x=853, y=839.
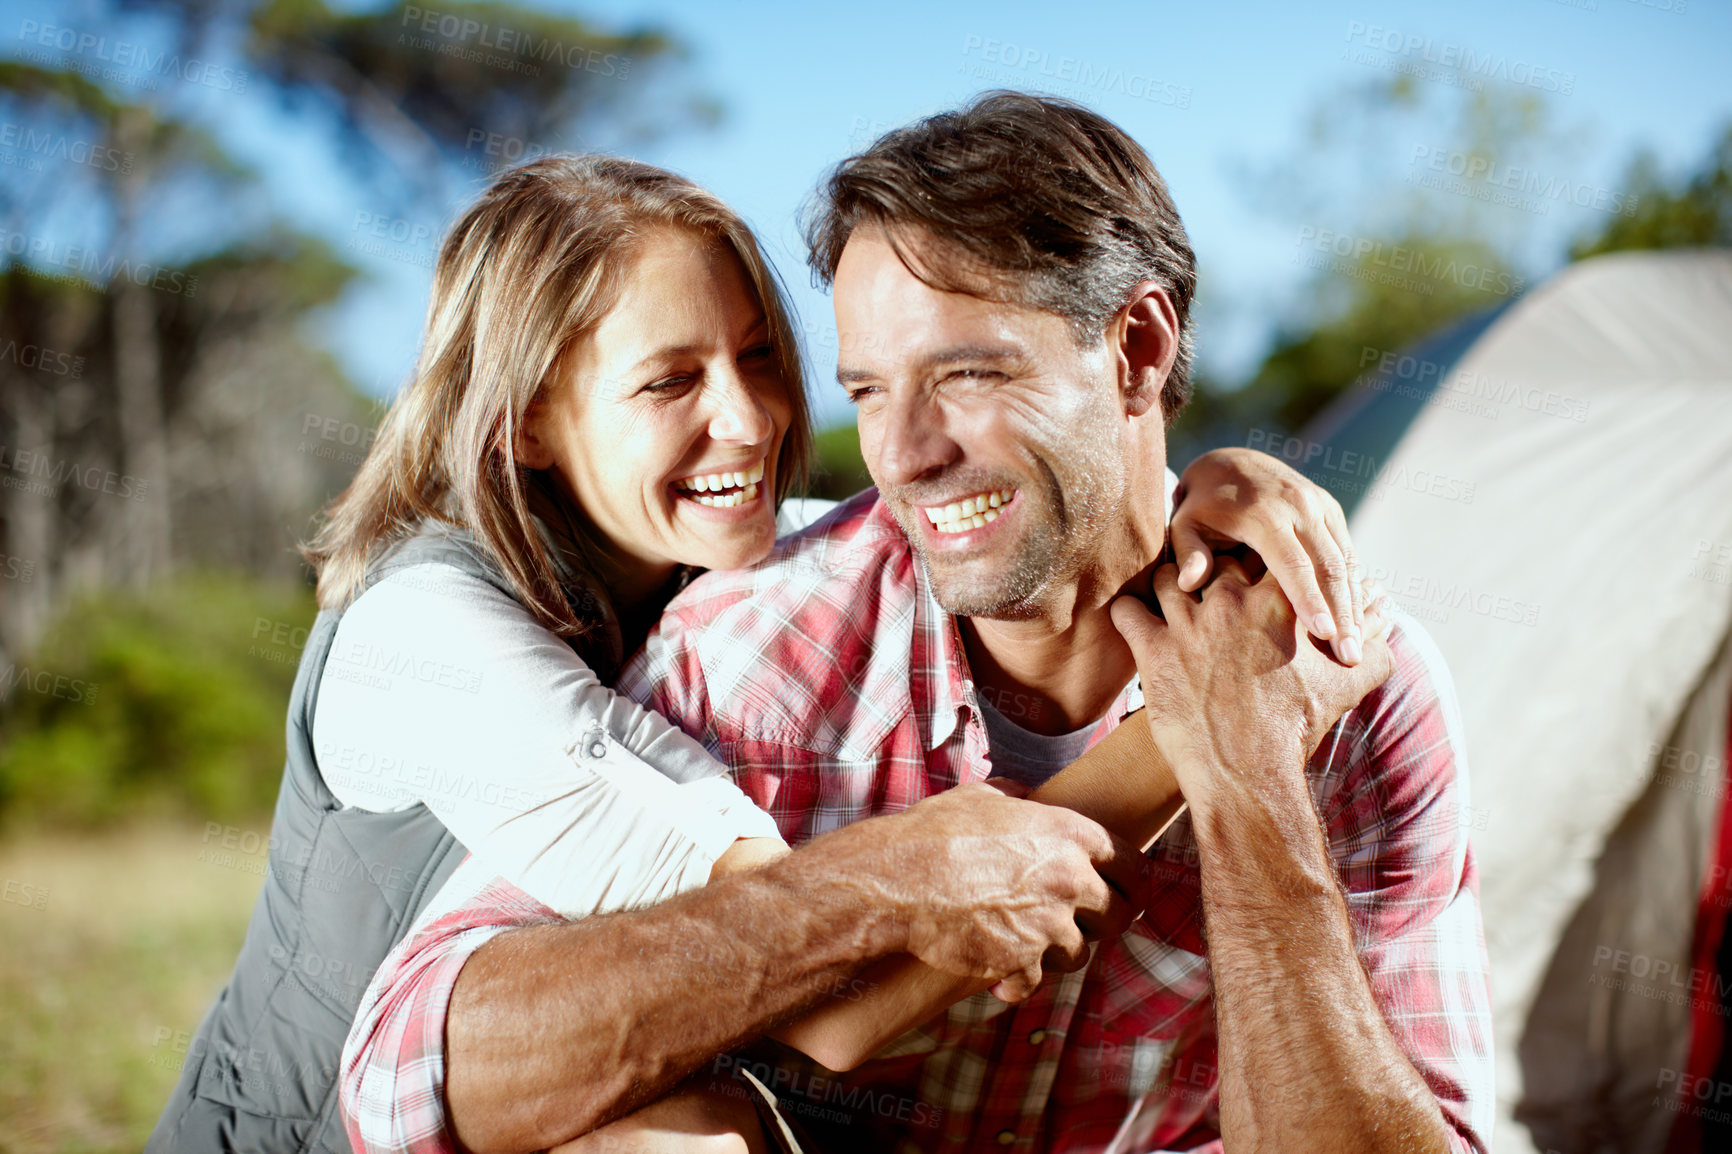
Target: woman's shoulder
x=438, y=545
x=440, y=607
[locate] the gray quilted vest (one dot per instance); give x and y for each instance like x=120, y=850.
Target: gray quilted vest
x=343, y=887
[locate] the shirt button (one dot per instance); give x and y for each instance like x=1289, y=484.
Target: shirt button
x=1006, y=1137
x=1036, y=1037
x=597, y=749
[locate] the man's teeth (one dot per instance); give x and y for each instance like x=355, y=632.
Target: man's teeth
x=974, y=512
x=729, y=500
x=716, y=482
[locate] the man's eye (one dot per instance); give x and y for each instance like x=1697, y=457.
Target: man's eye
x=864, y=392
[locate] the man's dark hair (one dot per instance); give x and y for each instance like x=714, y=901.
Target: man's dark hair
x=1029, y=200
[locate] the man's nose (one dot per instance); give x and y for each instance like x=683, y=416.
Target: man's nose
x=911, y=441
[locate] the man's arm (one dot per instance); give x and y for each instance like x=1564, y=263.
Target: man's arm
x=1125, y=783
x=1308, y=1057
x=553, y=1030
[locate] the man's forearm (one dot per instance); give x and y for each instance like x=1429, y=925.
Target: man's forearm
x=1123, y=782
x=555, y=1029
x=1306, y=1059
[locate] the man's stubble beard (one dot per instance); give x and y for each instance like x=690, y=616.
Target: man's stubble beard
x=1012, y=591
x=1056, y=533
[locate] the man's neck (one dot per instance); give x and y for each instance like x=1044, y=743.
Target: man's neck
x=1061, y=668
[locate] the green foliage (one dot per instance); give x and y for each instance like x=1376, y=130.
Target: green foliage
x=427, y=80
x=170, y=702
x=69, y=91
x=1405, y=289
x=1693, y=212
x=839, y=470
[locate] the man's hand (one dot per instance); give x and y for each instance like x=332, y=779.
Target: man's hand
x=1241, y=496
x=993, y=887
x=1234, y=687
x=1237, y=694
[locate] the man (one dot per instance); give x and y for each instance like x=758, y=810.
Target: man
x=1012, y=289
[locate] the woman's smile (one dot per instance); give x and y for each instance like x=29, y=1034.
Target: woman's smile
x=726, y=489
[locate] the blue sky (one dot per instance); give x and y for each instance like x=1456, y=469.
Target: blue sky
x=1213, y=92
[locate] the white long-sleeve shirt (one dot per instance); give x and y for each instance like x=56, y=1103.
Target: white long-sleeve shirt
x=441, y=689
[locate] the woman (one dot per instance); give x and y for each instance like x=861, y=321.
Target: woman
x=608, y=398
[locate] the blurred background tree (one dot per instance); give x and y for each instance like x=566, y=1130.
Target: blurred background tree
x=1437, y=229
x=1693, y=210
x=163, y=407
x=169, y=423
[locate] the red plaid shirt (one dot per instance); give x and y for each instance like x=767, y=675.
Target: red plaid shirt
x=834, y=686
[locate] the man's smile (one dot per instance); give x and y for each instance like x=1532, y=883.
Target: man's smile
x=976, y=511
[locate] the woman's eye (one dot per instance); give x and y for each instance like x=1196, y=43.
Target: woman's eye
x=761, y=352
x=669, y=386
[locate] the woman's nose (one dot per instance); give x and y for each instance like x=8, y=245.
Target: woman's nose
x=740, y=414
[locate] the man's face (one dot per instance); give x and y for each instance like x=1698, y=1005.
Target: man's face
x=997, y=441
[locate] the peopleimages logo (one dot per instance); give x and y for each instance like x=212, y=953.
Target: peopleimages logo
x=92, y=267
x=510, y=44
x=39, y=473
x=1463, y=389
x=44, y=145
x=1078, y=75
x=42, y=359
x=1458, y=58
x=1404, y=263
x=134, y=57
x=1483, y=178
x=1345, y=470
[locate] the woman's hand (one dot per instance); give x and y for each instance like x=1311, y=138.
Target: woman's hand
x=1235, y=690
x=1241, y=496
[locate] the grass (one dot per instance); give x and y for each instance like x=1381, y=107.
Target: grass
x=112, y=946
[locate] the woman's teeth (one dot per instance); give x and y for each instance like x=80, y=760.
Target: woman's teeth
x=723, y=490
x=974, y=512
x=716, y=482
x=727, y=500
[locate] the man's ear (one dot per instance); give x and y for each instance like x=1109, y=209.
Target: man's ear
x=533, y=449
x=1147, y=335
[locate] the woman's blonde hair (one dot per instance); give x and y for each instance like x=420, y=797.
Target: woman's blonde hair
x=530, y=269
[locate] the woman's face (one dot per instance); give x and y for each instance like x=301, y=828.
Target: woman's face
x=666, y=424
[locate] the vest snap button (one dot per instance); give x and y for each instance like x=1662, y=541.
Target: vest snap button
x=1006, y=1137
x=597, y=749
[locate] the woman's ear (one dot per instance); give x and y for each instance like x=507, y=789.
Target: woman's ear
x=533, y=448
x=1148, y=339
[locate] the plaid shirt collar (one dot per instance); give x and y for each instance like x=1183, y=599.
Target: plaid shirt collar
x=941, y=686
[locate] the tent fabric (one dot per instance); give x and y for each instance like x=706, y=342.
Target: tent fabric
x=1372, y=418
x=1602, y=1059
x=1558, y=514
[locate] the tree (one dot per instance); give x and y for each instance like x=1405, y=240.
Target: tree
x=104, y=338
x=1695, y=211
x=153, y=366
x=1399, y=197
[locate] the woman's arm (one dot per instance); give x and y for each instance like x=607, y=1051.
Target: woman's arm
x=1240, y=496
x=441, y=689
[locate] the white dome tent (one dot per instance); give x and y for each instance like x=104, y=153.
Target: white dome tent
x=1548, y=490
